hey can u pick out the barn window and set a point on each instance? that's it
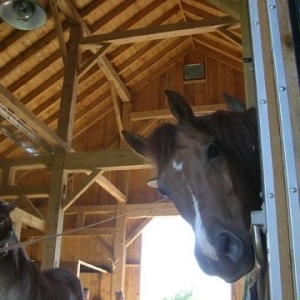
(194, 72)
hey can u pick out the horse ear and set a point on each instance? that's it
(12, 205)
(233, 103)
(180, 109)
(136, 142)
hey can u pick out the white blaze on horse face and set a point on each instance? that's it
(177, 165)
(200, 233)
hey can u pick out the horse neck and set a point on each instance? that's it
(236, 133)
(14, 259)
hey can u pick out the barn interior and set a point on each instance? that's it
(68, 89)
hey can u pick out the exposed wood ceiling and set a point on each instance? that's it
(123, 42)
(123, 45)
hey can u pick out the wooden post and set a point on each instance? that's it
(55, 218)
(250, 88)
(58, 185)
(118, 275)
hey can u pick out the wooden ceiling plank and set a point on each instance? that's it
(81, 188)
(149, 125)
(34, 72)
(233, 59)
(104, 247)
(59, 30)
(135, 233)
(230, 36)
(38, 45)
(158, 32)
(183, 50)
(231, 7)
(196, 12)
(19, 215)
(29, 118)
(31, 51)
(155, 59)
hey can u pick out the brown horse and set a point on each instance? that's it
(209, 167)
(19, 278)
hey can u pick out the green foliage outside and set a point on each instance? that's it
(182, 295)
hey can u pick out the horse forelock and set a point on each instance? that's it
(162, 144)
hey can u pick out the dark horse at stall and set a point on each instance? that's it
(209, 167)
(19, 278)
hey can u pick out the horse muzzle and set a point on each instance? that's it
(235, 256)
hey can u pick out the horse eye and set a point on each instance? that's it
(213, 151)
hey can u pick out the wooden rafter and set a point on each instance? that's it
(230, 36)
(22, 112)
(59, 30)
(134, 234)
(84, 185)
(19, 215)
(68, 8)
(232, 7)
(159, 32)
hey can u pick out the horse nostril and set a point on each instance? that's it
(230, 245)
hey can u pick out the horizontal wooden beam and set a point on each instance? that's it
(165, 113)
(13, 192)
(19, 215)
(120, 159)
(95, 231)
(107, 160)
(158, 32)
(131, 210)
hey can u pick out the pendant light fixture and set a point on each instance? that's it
(23, 15)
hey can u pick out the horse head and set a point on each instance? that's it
(5, 220)
(204, 184)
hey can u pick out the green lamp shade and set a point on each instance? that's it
(24, 15)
